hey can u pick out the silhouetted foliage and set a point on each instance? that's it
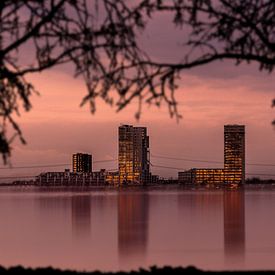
(100, 39)
(166, 270)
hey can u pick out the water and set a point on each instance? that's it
(110, 230)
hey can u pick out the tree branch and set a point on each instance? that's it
(33, 31)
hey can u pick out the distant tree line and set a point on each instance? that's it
(256, 180)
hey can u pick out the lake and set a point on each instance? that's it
(109, 229)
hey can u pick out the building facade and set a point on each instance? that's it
(234, 153)
(133, 154)
(186, 177)
(112, 178)
(203, 176)
(68, 178)
(82, 163)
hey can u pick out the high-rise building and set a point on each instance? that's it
(234, 162)
(82, 163)
(234, 153)
(133, 154)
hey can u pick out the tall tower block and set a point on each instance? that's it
(234, 153)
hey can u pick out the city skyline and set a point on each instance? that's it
(154, 162)
(209, 97)
(134, 164)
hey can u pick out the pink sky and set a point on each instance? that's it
(208, 97)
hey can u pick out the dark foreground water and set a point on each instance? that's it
(126, 229)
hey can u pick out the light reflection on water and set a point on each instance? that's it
(126, 229)
(133, 221)
(234, 227)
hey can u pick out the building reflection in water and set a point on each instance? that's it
(132, 226)
(234, 226)
(81, 216)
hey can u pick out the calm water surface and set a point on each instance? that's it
(115, 230)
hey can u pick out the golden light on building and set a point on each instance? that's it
(234, 153)
(133, 151)
(203, 176)
(112, 178)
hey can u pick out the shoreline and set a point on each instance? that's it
(144, 187)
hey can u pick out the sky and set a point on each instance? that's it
(209, 97)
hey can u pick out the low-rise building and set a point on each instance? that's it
(72, 178)
(202, 176)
